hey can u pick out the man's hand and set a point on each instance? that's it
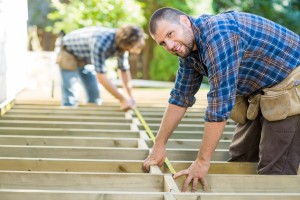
(195, 173)
(127, 104)
(156, 157)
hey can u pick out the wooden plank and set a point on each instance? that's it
(218, 167)
(189, 144)
(103, 107)
(238, 196)
(71, 165)
(82, 181)
(250, 183)
(60, 124)
(73, 152)
(68, 141)
(99, 153)
(11, 116)
(71, 112)
(170, 185)
(187, 127)
(191, 120)
(190, 155)
(79, 195)
(69, 132)
(227, 135)
(6, 106)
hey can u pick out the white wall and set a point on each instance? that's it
(13, 47)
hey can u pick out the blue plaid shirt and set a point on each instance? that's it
(94, 45)
(241, 54)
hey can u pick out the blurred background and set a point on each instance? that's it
(30, 28)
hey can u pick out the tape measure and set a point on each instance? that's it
(152, 137)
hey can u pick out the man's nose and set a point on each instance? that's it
(169, 45)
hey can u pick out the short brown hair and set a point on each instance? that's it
(169, 14)
(129, 36)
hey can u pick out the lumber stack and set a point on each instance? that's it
(96, 152)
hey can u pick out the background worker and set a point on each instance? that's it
(91, 46)
(242, 55)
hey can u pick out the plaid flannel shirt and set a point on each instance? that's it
(241, 54)
(94, 45)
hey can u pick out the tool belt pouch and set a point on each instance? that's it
(239, 111)
(282, 100)
(254, 107)
(66, 60)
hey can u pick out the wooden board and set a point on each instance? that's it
(82, 181)
(68, 141)
(69, 132)
(12, 116)
(98, 153)
(250, 183)
(71, 165)
(62, 124)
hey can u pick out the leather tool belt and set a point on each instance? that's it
(276, 103)
(68, 61)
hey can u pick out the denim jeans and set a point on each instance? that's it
(70, 85)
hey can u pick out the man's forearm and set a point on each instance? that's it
(170, 121)
(211, 137)
(126, 82)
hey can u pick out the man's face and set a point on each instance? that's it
(178, 39)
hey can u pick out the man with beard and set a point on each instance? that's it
(243, 55)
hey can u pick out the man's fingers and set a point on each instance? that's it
(195, 184)
(148, 163)
(180, 173)
(204, 184)
(186, 184)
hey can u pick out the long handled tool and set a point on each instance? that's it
(152, 137)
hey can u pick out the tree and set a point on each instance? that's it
(286, 13)
(81, 13)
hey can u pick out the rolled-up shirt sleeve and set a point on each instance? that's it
(187, 83)
(123, 61)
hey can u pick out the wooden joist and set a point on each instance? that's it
(73, 152)
(111, 195)
(68, 141)
(75, 118)
(250, 183)
(145, 182)
(63, 124)
(187, 127)
(69, 132)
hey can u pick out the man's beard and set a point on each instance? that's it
(188, 46)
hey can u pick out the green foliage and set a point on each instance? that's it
(286, 13)
(163, 65)
(81, 13)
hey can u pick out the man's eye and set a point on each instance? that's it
(162, 44)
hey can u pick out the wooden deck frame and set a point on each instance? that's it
(90, 161)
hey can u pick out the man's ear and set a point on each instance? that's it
(183, 19)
